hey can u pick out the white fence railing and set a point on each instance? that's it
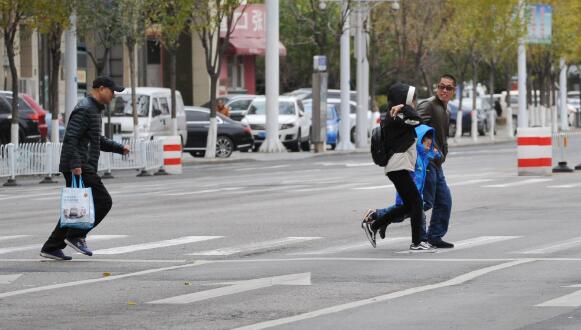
(43, 158)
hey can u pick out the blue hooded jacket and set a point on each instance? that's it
(423, 160)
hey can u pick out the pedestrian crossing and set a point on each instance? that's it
(293, 246)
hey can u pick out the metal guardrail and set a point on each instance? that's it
(43, 158)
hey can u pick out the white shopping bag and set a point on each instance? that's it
(77, 209)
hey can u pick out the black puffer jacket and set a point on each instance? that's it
(399, 132)
(83, 141)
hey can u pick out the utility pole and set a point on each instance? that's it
(362, 77)
(272, 142)
(345, 125)
(563, 95)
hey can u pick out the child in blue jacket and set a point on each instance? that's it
(426, 152)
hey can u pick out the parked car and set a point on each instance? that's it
(42, 125)
(332, 121)
(238, 105)
(294, 124)
(307, 93)
(232, 135)
(483, 108)
(153, 111)
(27, 121)
(372, 119)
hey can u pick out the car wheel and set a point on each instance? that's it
(295, 146)
(452, 129)
(353, 132)
(306, 145)
(224, 147)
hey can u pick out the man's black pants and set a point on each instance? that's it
(103, 204)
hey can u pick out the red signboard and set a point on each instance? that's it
(250, 22)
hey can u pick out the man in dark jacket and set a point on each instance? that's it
(81, 148)
(434, 113)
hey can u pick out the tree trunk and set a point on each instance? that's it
(55, 58)
(473, 113)
(213, 129)
(491, 113)
(460, 113)
(131, 49)
(172, 74)
(9, 43)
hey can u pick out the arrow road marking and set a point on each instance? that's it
(238, 287)
(253, 247)
(570, 300)
(7, 279)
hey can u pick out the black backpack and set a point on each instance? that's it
(378, 151)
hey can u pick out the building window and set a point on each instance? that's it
(236, 72)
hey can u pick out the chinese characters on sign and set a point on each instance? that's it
(250, 23)
(539, 24)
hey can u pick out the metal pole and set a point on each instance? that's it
(11, 182)
(345, 124)
(563, 96)
(360, 134)
(70, 68)
(365, 79)
(523, 120)
(272, 142)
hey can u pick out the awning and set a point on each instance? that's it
(253, 46)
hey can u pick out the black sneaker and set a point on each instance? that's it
(79, 245)
(370, 233)
(422, 247)
(368, 216)
(56, 255)
(440, 244)
(382, 231)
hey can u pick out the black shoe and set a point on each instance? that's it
(440, 244)
(423, 247)
(56, 255)
(370, 233)
(79, 245)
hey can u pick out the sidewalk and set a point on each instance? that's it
(500, 137)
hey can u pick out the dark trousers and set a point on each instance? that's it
(412, 204)
(103, 204)
(437, 195)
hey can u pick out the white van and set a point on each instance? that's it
(153, 111)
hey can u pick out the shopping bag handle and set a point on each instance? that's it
(74, 182)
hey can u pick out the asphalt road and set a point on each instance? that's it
(262, 244)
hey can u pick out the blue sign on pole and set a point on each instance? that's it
(540, 27)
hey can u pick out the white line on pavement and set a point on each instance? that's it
(464, 183)
(566, 185)
(398, 294)
(374, 187)
(154, 245)
(90, 238)
(517, 183)
(260, 168)
(356, 246)
(554, 247)
(325, 188)
(358, 164)
(472, 242)
(253, 247)
(5, 238)
(97, 280)
(202, 191)
(145, 261)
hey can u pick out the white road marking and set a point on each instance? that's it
(253, 247)
(144, 261)
(554, 247)
(358, 164)
(472, 242)
(203, 191)
(356, 246)
(90, 238)
(5, 238)
(155, 245)
(566, 185)
(570, 300)
(24, 197)
(325, 188)
(374, 187)
(237, 287)
(97, 280)
(517, 183)
(260, 168)
(7, 279)
(398, 294)
(468, 182)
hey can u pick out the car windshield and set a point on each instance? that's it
(121, 106)
(259, 108)
(331, 109)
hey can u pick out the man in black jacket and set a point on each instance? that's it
(81, 148)
(434, 113)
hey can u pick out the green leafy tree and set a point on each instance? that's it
(12, 13)
(207, 19)
(171, 18)
(52, 18)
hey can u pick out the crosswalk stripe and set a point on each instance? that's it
(566, 185)
(468, 182)
(554, 247)
(358, 164)
(154, 245)
(260, 168)
(90, 238)
(253, 247)
(374, 187)
(517, 183)
(324, 188)
(5, 238)
(202, 191)
(472, 242)
(354, 246)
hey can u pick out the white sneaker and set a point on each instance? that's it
(368, 216)
(422, 247)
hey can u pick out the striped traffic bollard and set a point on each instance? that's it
(562, 166)
(172, 154)
(534, 150)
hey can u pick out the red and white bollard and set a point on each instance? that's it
(172, 154)
(535, 151)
